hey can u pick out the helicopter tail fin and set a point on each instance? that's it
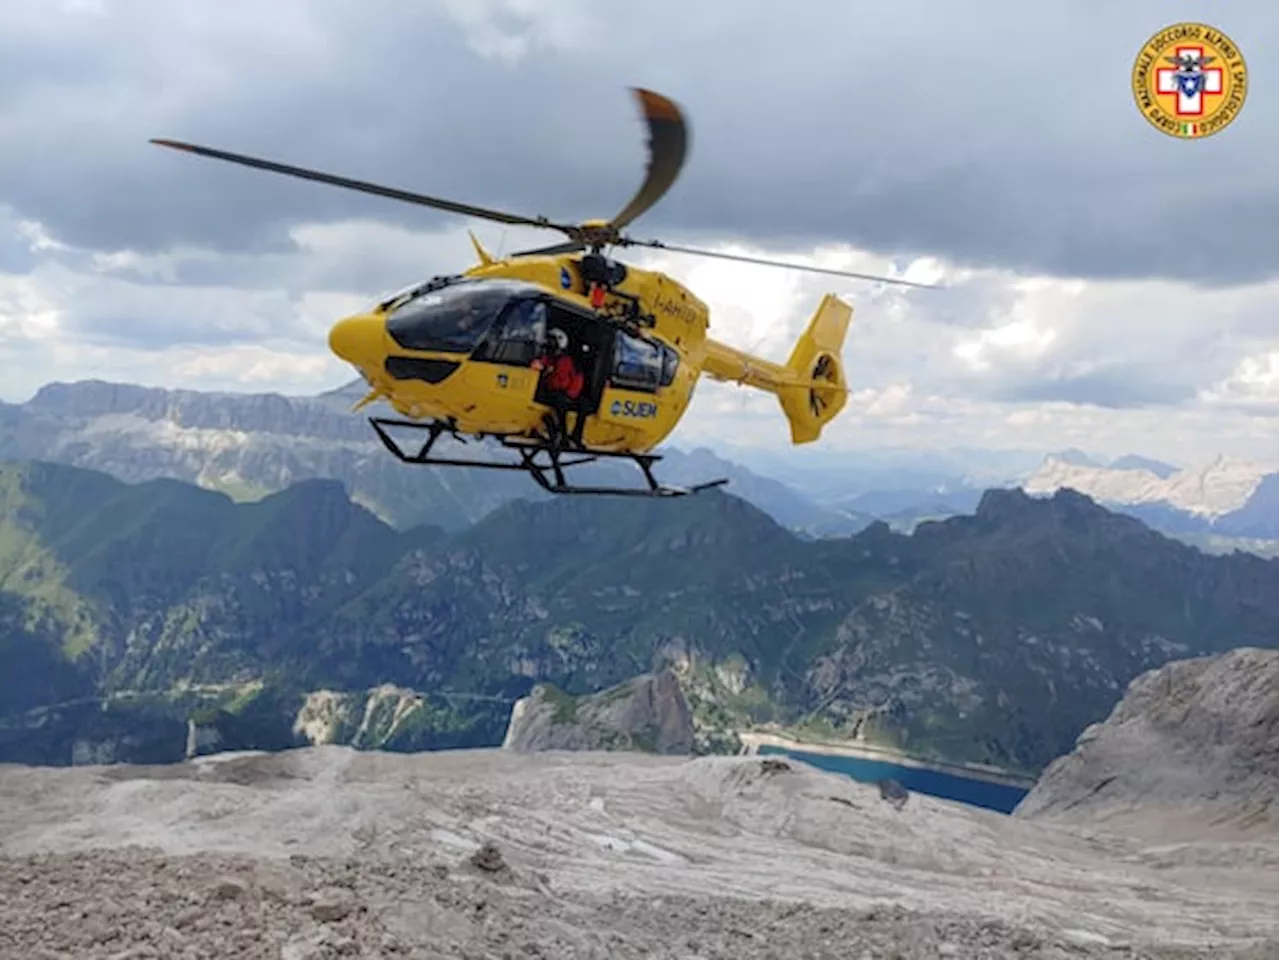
(815, 361)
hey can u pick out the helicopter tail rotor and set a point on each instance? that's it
(821, 392)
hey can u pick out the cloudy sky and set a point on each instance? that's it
(1108, 287)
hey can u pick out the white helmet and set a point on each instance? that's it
(559, 338)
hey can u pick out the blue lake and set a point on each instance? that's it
(978, 793)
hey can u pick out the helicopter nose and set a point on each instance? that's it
(357, 339)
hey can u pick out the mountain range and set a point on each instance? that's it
(248, 445)
(1226, 495)
(152, 612)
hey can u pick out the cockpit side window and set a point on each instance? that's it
(517, 335)
(524, 332)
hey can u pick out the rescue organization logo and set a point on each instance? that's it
(1189, 80)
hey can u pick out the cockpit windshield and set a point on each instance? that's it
(450, 319)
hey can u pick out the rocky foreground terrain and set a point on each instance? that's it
(331, 852)
(1191, 751)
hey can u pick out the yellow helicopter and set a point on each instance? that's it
(467, 355)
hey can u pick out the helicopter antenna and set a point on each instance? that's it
(667, 146)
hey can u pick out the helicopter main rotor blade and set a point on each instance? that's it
(659, 245)
(667, 144)
(569, 246)
(393, 193)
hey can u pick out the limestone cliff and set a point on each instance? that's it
(1191, 749)
(647, 713)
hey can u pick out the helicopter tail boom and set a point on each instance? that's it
(810, 387)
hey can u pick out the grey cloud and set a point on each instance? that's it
(980, 302)
(1093, 368)
(1255, 408)
(355, 262)
(911, 128)
(16, 254)
(161, 329)
(1114, 386)
(107, 311)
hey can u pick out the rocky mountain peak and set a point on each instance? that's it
(1003, 504)
(648, 712)
(1017, 512)
(647, 525)
(1193, 744)
(1000, 505)
(1133, 461)
(1074, 456)
(1257, 518)
(258, 413)
(314, 502)
(311, 493)
(88, 398)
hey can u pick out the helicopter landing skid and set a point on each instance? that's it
(549, 475)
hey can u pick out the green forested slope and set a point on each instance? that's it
(994, 637)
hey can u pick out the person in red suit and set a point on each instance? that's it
(563, 382)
